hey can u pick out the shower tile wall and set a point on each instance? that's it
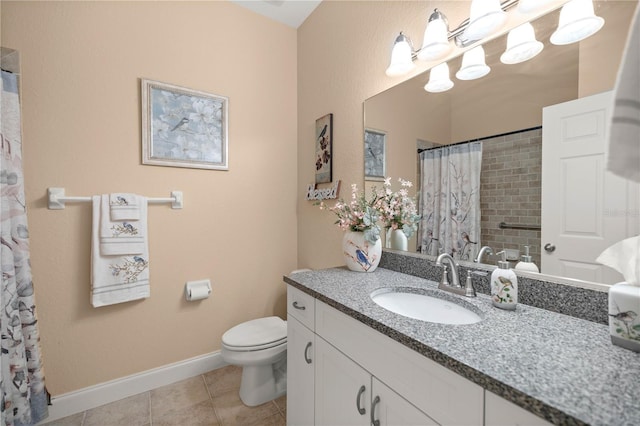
(510, 191)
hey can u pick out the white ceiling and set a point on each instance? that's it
(289, 12)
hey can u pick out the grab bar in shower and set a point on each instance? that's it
(504, 225)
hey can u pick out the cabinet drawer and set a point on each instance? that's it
(301, 306)
(429, 386)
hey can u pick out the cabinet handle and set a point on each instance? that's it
(306, 350)
(361, 410)
(295, 305)
(374, 421)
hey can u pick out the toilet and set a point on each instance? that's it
(259, 346)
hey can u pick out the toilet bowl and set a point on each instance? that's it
(260, 347)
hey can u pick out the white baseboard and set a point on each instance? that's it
(114, 390)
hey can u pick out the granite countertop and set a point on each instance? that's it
(561, 368)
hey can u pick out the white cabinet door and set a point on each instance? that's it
(499, 411)
(343, 388)
(300, 373)
(390, 409)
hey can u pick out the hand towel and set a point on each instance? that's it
(122, 237)
(624, 257)
(624, 133)
(117, 279)
(124, 206)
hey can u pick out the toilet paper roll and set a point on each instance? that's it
(197, 291)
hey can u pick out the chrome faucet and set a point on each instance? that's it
(455, 280)
(483, 250)
(454, 286)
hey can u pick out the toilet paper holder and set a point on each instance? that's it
(197, 290)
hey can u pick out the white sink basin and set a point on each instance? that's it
(424, 307)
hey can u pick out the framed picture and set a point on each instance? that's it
(324, 148)
(374, 154)
(183, 127)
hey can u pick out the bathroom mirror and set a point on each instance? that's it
(508, 101)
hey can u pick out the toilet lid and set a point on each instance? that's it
(258, 332)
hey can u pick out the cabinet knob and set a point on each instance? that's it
(295, 305)
(361, 410)
(374, 421)
(306, 353)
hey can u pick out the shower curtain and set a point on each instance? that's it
(24, 397)
(450, 201)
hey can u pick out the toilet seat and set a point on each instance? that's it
(255, 335)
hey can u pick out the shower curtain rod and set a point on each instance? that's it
(482, 139)
(57, 199)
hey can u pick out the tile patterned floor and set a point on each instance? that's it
(207, 400)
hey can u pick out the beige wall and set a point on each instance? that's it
(343, 50)
(81, 64)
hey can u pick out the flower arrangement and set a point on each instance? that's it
(397, 210)
(359, 214)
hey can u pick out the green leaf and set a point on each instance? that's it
(619, 330)
(636, 327)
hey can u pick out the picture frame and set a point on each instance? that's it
(374, 154)
(184, 127)
(324, 149)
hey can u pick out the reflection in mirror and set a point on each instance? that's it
(501, 112)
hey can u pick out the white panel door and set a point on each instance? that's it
(585, 208)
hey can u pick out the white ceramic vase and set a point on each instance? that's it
(398, 240)
(361, 255)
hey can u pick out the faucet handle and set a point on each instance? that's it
(445, 275)
(469, 289)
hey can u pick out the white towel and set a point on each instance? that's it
(124, 206)
(117, 279)
(624, 134)
(122, 237)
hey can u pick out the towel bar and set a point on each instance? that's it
(57, 199)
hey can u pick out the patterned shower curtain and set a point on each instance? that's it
(24, 397)
(450, 201)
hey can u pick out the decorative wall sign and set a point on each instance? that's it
(374, 154)
(183, 127)
(330, 193)
(324, 148)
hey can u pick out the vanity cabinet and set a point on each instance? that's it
(341, 370)
(499, 411)
(347, 394)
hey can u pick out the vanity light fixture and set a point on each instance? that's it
(528, 6)
(577, 22)
(435, 43)
(521, 45)
(437, 37)
(485, 18)
(473, 65)
(439, 80)
(401, 57)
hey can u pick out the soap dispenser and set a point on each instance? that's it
(504, 285)
(526, 264)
